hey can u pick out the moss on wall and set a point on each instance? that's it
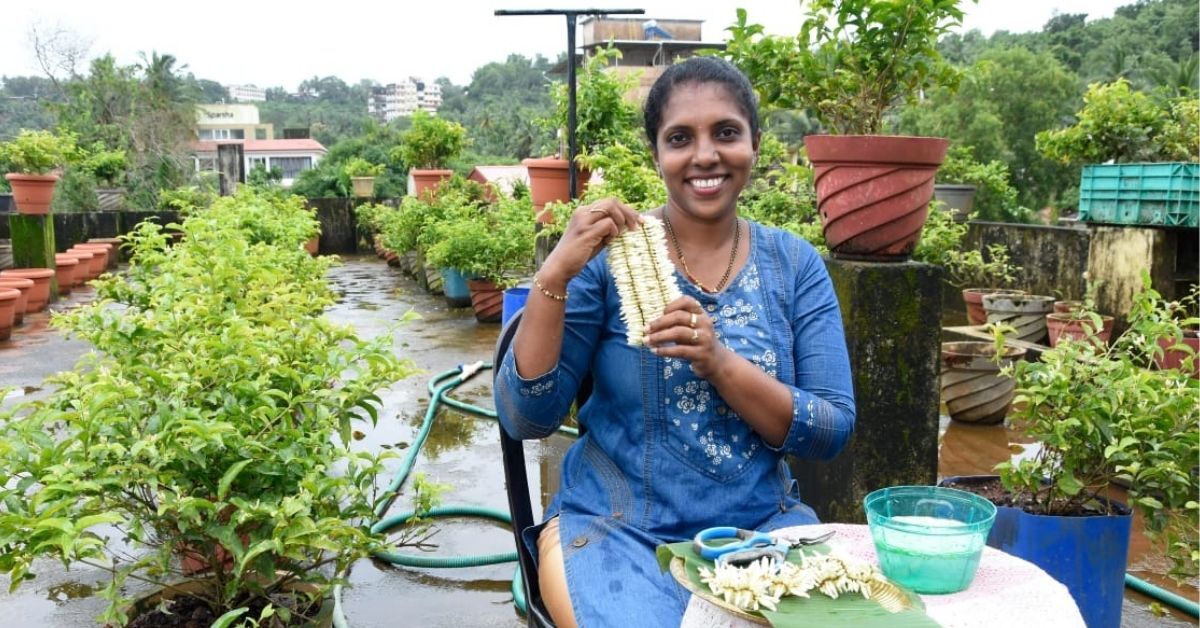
(891, 314)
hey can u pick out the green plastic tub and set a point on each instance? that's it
(1149, 194)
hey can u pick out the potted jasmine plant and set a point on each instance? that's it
(603, 118)
(1101, 415)
(851, 62)
(427, 148)
(362, 175)
(31, 158)
(492, 245)
(108, 167)
(209, 433)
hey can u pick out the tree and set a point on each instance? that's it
(1010, 95)
(500, 106)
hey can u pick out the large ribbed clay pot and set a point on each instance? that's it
(39, 294)
(1061, 325)
(973, 298)
(64, 272)
(427, 180)
(487, 299)
(972, 387)
(8, 304)
(25, 286)
(1025, 312)
(873, 191)
(549, 183)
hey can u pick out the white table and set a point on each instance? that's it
(1007, 591)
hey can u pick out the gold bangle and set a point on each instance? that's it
(556, 297)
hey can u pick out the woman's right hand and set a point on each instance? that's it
(590, 229)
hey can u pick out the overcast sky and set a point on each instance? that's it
(282, 43)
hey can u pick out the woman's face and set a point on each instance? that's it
(704, 149)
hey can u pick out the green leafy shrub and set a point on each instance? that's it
(1118, 123)
(187, 198)
(214, 417)
(495, 242)
(1102, 414)
(851, 61)
(107, 166)
(603, 117)
(995, 197)
(412, 225)
(38, 152)
(359, 167)
(431, 142)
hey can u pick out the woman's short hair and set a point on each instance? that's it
(699, 70)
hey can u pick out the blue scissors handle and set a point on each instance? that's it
(738, 538)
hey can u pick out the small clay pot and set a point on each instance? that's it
(1061, 325)
(973, 297)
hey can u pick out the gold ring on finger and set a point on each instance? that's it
(695, 336)
(693, 323)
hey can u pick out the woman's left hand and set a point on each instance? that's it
(686, 331)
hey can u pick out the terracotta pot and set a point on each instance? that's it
(1173, 358)
(115, 255)
(427, 180)
(99, 262)
(873, 191)
(64, 273)
(25, 286)
(1070, 325)
(487, 299)
(973, 297)
(32, 192)
(39, 294)
(363, 187)
(1025, 312)
(972, 387)
(549, 183)
(89, 269)
(8, 305)
(313, 245)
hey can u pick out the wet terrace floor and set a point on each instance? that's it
(461, 451)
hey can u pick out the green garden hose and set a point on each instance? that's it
(438, 387)
(1162, 595)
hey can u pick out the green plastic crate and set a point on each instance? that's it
(1158, 194)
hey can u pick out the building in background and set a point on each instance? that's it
(231, 122)
(404, 98)
(647, 47)
(246, 93)
(291, 156)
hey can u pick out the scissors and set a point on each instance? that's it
(742, 547)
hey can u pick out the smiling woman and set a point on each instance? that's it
(687, 431)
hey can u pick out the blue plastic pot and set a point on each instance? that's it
(514, 300)
(1087, 554)
(454, 287)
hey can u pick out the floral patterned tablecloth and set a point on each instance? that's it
(1007, 591)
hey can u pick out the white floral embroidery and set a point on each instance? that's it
(702, 427)
(538, 389)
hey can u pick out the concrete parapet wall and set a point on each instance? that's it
(1052, 259)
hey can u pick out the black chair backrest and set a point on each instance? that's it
(516, 480)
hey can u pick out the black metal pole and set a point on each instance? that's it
(572, 148)
(571, 14)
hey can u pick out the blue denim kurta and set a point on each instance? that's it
(664, 456)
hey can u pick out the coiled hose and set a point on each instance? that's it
(438, 387)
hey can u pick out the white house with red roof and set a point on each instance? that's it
(290, 156)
